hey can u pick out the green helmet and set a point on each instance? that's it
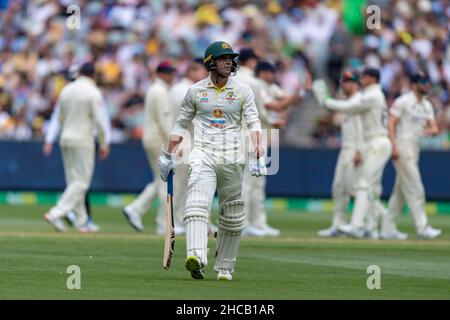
(217, 49)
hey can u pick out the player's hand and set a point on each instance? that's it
(257, 166)
(357, 159)
(47, 149)
(166, 163)
(395, 154)
(103, 152)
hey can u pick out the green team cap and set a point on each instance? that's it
(217, 49)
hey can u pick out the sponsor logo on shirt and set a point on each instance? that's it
(218, 122)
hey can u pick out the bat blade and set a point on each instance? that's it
(169, 240)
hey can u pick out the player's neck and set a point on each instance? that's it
(218, 80)
(418, 95)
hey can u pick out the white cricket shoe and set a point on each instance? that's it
(271, 232)
(56, 223)
(351, 232)
(395, 235)
(224, 275)
(195, 267)
(134, 219)
(89, 227)
(251, 231)
(329, 233)
(179, 230)
(373, 235)
(429, 233)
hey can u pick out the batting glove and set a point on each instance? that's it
(166, 163)
(257, 167)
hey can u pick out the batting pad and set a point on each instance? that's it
(196, 215)
(231, 224)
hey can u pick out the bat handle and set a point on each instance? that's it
(170, 183)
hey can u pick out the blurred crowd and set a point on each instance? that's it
(128, 38)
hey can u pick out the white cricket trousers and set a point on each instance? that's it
(78, 169)
(408, 189)
(206, 175)
(254, 195)
(368, 188)
(154, 189)
(344, 181)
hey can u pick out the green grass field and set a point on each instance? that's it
(119, 263)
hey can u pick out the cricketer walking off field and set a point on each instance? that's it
(81, 113)
(411, 117)
(218, 105)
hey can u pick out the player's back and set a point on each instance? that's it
(156, 114)
(76, 102)
(374, 120)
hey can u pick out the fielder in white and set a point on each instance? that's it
(350, 157)
(53, 131)
(275, 103)
(157, 126)
(253, 190)
(81, 114)
(411, 116)
(195, 72)
(218, 105)
(377, 149)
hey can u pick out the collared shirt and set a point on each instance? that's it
(371, 105)
(157, 114)
(413, 116)
(218, 116)
(81, 113)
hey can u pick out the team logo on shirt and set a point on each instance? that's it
(218, 122)
(231, 97)
(217, 113)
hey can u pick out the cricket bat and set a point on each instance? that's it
(169, 241)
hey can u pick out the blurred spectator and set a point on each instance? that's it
(128, 39)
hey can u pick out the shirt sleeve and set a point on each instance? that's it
(250, 111)
(355, 105)
(187, 113)
(102, 121)
(430, 111)
(54, 126)
(397, 108)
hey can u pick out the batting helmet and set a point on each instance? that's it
(215, 50)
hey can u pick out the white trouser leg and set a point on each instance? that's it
(78, 169)
(231, 216)
(375, 157)
(254, 194)
(201, 188)
(341, 186)
(411, 185)
(144, 200)
(395, 207)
